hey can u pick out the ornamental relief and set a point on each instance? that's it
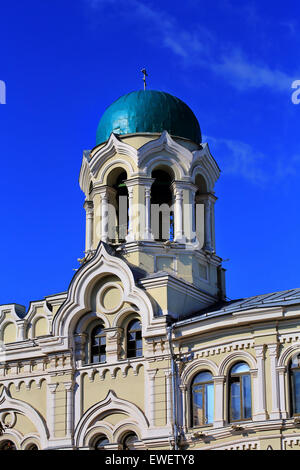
(110, 298)
(8, 419)
(292, 443)
(125, 369)
(218, 350)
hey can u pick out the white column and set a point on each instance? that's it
(212, 215)
(89, 208)
(113, 340)
(104, 217)
(184, 399)
(273, 353)
(21, 329)
(193, 235)
(178, 215)
(282, 399)
(148, 235)
(219, 402)
(151, 375)
(130, 236)
(78, 392)
(168, 397)
(207, 225)
(69, 408)
(260, 391)
(51, 408)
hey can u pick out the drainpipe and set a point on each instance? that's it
(174, 375)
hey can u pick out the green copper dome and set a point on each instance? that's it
(148, 111)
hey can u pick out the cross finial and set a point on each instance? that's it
(144, 77)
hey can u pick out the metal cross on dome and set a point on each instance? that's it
(144, 77)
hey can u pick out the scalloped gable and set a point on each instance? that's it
(205, 162)
(115, 145)
(79, 293)
(12, 404)
(111, 403)
(166, 143)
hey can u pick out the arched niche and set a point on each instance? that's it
(162, 199)
(118, 209)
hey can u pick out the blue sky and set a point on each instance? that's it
(232, 61)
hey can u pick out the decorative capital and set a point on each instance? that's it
(113, 333)
(152, 373)
(260, 351)
(89, 207)
(219, 379)
(273, 349)
(52, 387)
(68, 386)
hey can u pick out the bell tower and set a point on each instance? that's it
(149, 188)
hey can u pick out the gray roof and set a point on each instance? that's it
(275, 299)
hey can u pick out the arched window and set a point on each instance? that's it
(98, 345)
(202, 399)
(32, 447)
(134, 339)
(129, 440)
(202, 215)
(100, 443)
(240, 407)
(294, 376)
(162, 215)
(118, 221)
(7, 445)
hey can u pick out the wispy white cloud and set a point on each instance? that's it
(199, 48)
(240, 159)
(244, 74)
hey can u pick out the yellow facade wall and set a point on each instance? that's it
(97, 390)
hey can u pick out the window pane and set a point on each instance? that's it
(94, 350)
(95, 358)
(103, 441)
(202, 377)
(198, 412)
(296, 376)
(235, 401)
(209, 403)
(95, 340)
(239, 368)
(135, 325)
(246, 396)
(296, 361)
(129, 441)
(97, 330)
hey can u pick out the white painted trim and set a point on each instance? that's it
(110, 404)
(11, 404)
